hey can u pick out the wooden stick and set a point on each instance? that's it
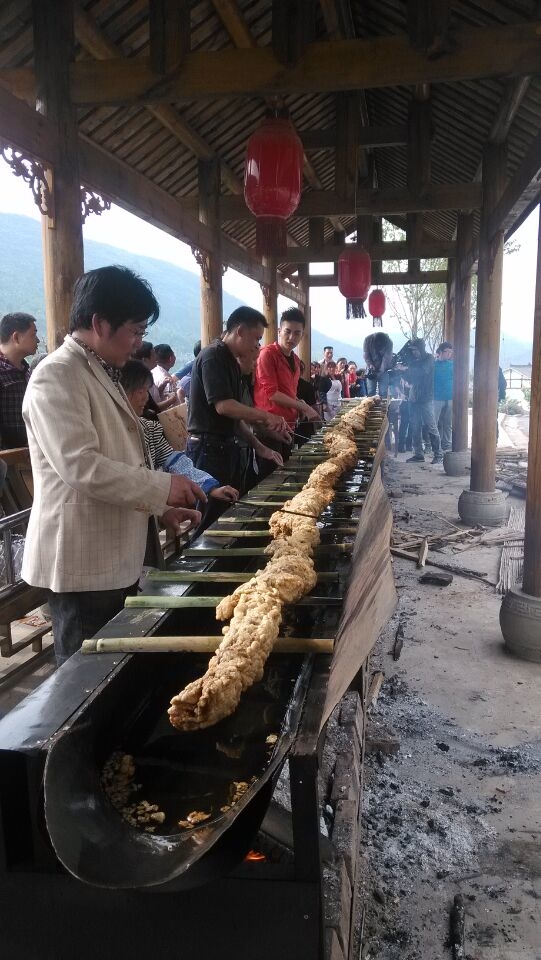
(168, 602)
(460, 571)
(423, 553)
(196, 645)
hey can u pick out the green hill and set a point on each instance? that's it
(177, 290)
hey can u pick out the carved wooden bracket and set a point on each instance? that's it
(203, 259)
(33, 173)
(266, 291)
(92, 202)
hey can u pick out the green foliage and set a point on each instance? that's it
(527, 391)
(511, 407)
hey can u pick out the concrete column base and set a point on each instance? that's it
(488, 509)
(457, 463)
(520, 620)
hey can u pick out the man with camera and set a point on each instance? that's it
(418, 367)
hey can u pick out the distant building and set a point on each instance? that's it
(518, 378)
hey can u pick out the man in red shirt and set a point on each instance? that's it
(277, 376)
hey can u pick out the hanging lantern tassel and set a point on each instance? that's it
(273, 182)
(270, 237)
(354, 278)
(376, 305)
(355, 309)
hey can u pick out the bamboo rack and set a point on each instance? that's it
(197, 645)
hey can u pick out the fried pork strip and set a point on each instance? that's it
(254, 609)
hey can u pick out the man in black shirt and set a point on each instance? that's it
(216, 410)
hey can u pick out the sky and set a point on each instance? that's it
(122, 229)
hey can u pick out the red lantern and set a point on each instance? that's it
(354, 278)
(273, 181)
(376, 306)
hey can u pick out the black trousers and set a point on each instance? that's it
(78, 616)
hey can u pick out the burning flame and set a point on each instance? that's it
(255, 856)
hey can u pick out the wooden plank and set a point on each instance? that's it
(388, 201)
(371, 595)
(347, 146)
(489, 51)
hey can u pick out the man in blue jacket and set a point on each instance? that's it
(443, 393)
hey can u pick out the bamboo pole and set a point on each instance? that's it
(531, 582)
(197, 645)
(190, 602)
(211, 576)
(225, 552)
(239, 533)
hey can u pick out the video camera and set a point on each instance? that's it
(404, 356)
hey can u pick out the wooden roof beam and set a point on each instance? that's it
(389, 135)
(386, 279)
(511, 50)
(423, 249)
(386, 202)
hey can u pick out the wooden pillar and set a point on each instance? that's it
(532, 539)
(211, 263)
(270, 303)
(450, 302)
(62, 232)
(487, 334)
(305, 346)
(461, 341)
(419, 167)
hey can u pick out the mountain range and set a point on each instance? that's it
(177, 290)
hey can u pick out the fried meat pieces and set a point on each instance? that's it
(255, 608)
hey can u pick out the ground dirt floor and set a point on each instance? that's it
(452, 800)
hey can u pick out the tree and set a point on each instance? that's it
(418, 308)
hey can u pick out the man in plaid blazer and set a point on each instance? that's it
(94, 488)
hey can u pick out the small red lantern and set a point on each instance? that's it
(354, 278)
(273, 181)
(376, 306)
